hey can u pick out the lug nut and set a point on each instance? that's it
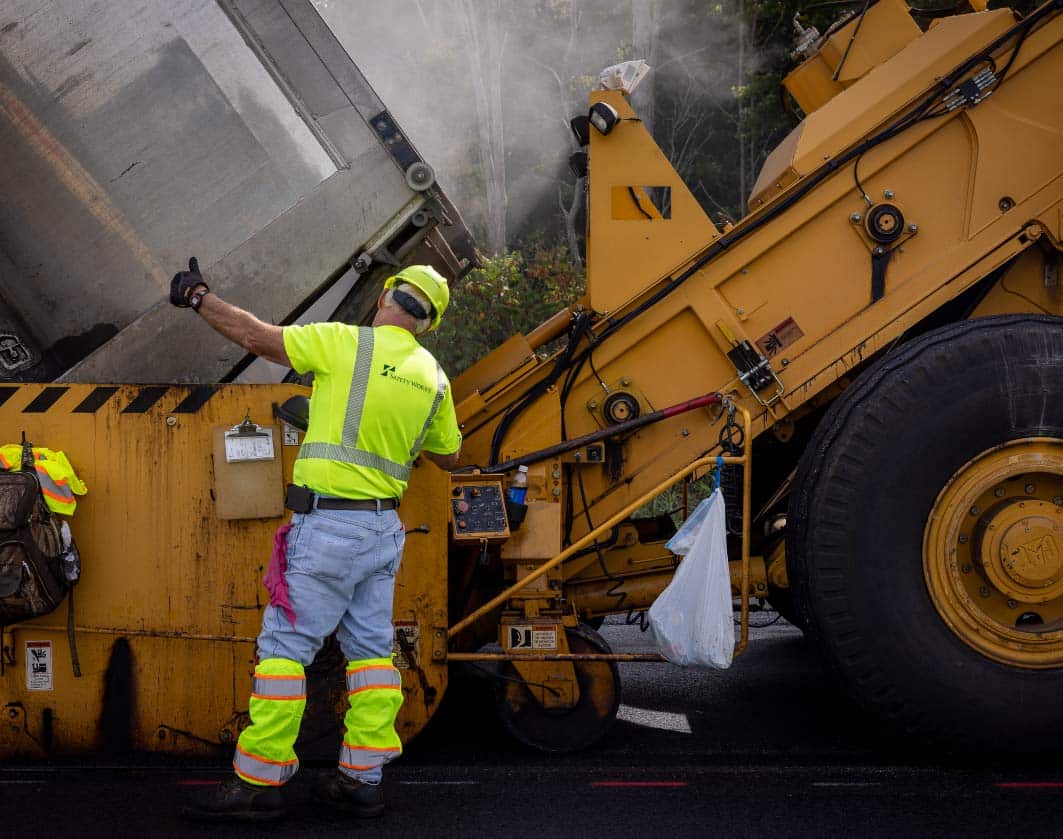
(975, 511)
(983, 591)
(966, 569)
(964, 539)
(999, 492)
(1011, 603)
(1030, 489)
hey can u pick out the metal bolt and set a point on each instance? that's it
(983, 591)
(1029, 489)
(999, 492)
(740, 311)
(966, 569)
(879, 251)
(171, 421)
(760, 586)
(913, 228)
(625, 382)
(12, 713)
(964, 539)
(593, 404)
(856, 218)
(556, 473)
(887, 193)
(786, 362)
(975, 511)
(685, 432)
(1011, 603)
(557, 492)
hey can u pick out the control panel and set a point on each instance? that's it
(477, 509)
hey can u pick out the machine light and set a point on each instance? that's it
(578, 164)
(581, 129)
(604, 117)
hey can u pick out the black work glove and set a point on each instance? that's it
(184, 282)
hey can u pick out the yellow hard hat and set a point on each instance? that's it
(429, 281)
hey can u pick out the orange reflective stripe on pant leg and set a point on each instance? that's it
(265, 752)
(375, 695)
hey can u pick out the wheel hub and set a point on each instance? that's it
(993, 553)
(1021, 551)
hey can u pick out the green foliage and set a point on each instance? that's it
(513, 292)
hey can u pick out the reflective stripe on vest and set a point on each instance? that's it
(279, 687)
(58, 491)
(348, 451)
(361, 758)
(270, 772)
(373, 677)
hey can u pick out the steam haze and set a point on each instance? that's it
(485, 89)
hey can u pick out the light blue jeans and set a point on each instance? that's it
(341, 577)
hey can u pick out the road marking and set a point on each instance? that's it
(846, 783)
(649, 784)
(441, 783)
(654, 719)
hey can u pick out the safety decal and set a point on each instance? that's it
(533, 637)
(291, 435)
(407, 638)
(781, 336)
(39, 665)
(191, 398)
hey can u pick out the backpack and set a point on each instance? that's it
(33, 551)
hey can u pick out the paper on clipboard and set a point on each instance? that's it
(248, 441)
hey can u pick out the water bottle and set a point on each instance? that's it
(71, 557)
(518, 487)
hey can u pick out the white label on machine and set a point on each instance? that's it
(291, 435)
(39, 665)
(242, 446)
(407, 637)
(533, 637)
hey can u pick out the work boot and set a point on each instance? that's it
(237, 800)
(351, 795)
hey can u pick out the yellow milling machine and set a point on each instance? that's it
(875, 349)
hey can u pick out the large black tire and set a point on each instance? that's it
(865, 487)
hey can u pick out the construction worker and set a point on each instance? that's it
(379, 399)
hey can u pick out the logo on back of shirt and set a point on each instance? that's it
(389, 373)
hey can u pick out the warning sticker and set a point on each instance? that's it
(291, 435)
(406, 640)
(533, 637)
(39, 665)
(781, 336)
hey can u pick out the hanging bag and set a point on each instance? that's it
(692, 619)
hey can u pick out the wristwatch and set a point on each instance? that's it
(195, 299)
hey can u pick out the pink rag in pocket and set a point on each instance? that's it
(274, 581)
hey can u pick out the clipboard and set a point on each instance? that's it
(248, 471)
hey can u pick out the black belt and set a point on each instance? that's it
(377, 504)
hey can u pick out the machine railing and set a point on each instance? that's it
(707, 462)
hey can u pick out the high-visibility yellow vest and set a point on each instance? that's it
(379, 398)
(59, 482)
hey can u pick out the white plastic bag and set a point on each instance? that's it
(692, 619)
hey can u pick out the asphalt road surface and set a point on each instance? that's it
(766, 749)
